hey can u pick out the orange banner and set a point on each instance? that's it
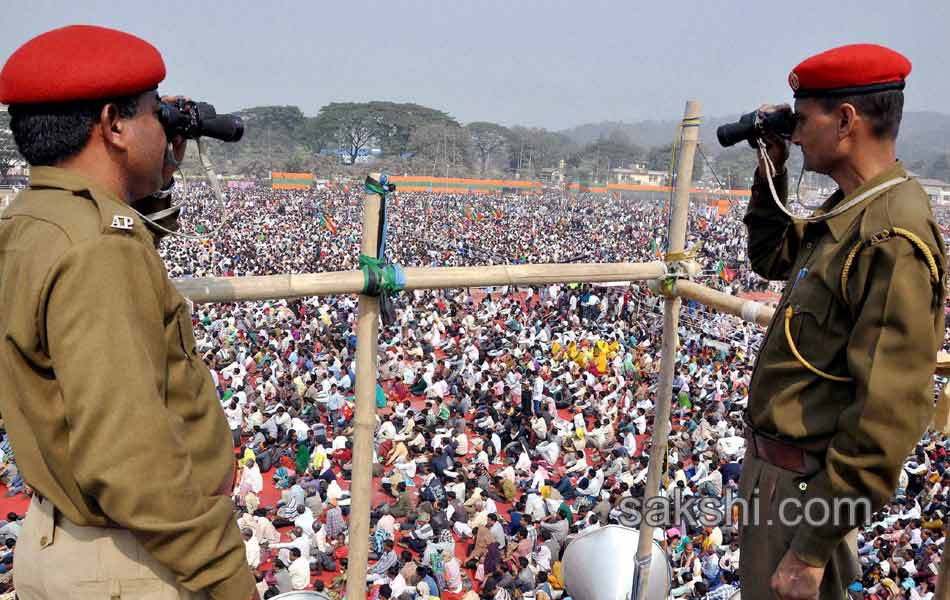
(290, 181)
(413, 183)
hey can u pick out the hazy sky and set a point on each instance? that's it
(550, 64)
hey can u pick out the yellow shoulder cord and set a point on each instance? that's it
(877, 238)
(791, 344)
(883, 236)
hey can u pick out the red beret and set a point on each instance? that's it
(80, 62)
(849, 70)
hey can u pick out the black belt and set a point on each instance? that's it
(781, 454)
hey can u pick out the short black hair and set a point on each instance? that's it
(883, 109)
(48, 134)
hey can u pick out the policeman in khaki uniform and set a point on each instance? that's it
(842, 388)
(112, 415)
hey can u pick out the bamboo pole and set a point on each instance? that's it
(239, 289)
(236, 289)
(364, 419)
(943, 576)
(749, 310)
(269, 287)
(671, 308)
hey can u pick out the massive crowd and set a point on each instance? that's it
(509, 420)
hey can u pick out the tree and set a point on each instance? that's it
(438, 146)
(297, 163)
(406, 119)
(537, 148)
(939, 167)
(272, 136)
(735, 166)
(488, 139)
(350, 127)
(658, 159)
(612, 151)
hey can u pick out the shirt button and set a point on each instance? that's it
(43, 541)
(803, 486)
(809, 245)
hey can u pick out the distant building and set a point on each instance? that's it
(553, 176)
(938, 191)
(638, 174)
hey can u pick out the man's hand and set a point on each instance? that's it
(173, 157)
(177, 153)
(796, 580)
(776, 146)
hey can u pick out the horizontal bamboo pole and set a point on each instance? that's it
(269, 287)
(749, 310)
(239, 289)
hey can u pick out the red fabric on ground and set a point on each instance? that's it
(18, 503)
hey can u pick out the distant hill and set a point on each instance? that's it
(414, 138)
(923, 145)
(925, 138)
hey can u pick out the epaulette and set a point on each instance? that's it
(872, 233)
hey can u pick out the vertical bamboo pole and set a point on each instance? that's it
(364, 419)
(671, 309)
(943, 577)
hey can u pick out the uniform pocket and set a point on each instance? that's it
(816, 337)
(810, 317)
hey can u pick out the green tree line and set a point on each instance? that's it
(419, 140)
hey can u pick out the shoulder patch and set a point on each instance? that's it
(122, 222)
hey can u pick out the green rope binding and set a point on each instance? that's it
(380, 277)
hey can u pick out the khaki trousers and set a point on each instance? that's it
(57, 560)
(765, 540)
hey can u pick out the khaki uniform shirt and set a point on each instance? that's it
(111, 413)
(885, 336)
